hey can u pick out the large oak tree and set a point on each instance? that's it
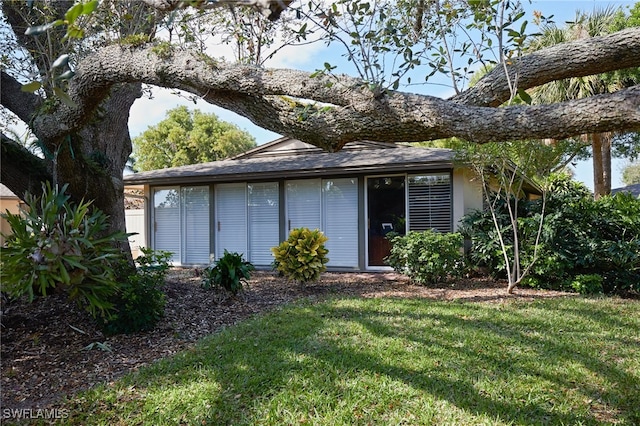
(82, 124)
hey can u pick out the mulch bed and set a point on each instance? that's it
(51, 349)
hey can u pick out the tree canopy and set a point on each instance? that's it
(72, 71)
(188, 137)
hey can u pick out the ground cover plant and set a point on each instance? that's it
(565, 360)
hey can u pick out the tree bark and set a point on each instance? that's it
(598, 183)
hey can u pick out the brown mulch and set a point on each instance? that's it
(51, 349)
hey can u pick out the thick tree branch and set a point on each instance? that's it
(269, 98)
(269, 8)
(22, 104)
(580, 58)
(20, 170)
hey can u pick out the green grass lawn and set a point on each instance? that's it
(570, 361)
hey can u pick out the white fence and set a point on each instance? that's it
(135, 223)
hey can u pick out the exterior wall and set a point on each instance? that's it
(11, 204)
(465, 196)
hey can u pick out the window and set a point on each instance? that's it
(181, 223)
(430, 202)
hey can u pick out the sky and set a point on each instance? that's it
(148, 112)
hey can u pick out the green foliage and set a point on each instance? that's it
(303, 256)
(56, 246)
(579, 236)
(140, 301)
(427, 257)
(587, 284)
(631, 174)
(188, 137)
(230, 272)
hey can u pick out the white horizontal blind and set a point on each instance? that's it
(340, 221)
(264, 221)
(196, 240)
(430, 202)
(303, 204)
(231, 219)
(166, 218)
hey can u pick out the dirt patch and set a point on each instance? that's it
(51, 349)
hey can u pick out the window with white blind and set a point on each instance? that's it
(166, 221)
(303, 204)
(430, 202)
(330, 205)
(181, 223)
(340, 220)
(264, 221)
(231, 219)
(195, 225)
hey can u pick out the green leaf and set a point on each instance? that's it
(31, 87)
(524, 96)
(41, 29)
(73, 13)
(67, 75)
(61, 61)
(89, 7)
(64, 97)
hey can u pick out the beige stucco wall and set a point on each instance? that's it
(7, 203)
(467, 194)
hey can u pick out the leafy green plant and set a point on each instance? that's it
(55, 246)
(580, 236)
(303, 256)
(230, 272)
(587, 284)
(140, 301)
(427, 257)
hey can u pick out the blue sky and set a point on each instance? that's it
(147, 112)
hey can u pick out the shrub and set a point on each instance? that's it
(580, 237)
(230, 273)
(427, 257)
(59, 246)
(302, 257)
(140, 301)
(587, 284)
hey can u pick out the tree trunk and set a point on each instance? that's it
(606, 162)
(92, 160)
(598, 173)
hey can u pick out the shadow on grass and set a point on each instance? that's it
(295, 361)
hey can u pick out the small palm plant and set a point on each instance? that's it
(230, 273)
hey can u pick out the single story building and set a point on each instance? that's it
(249, 203)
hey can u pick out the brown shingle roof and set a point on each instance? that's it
(276, 161)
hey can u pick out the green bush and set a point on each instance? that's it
(140, 301)
(587, 284)
(427, 257)
(230, 273)
(303, 256)
(580, 236)
(56, 245)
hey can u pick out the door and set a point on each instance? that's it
(166, 221)
(264, 221)
(340, 220)
(231, 219)
(386, 212)
(195, 226)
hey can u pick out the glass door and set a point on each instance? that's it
(386, 212)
